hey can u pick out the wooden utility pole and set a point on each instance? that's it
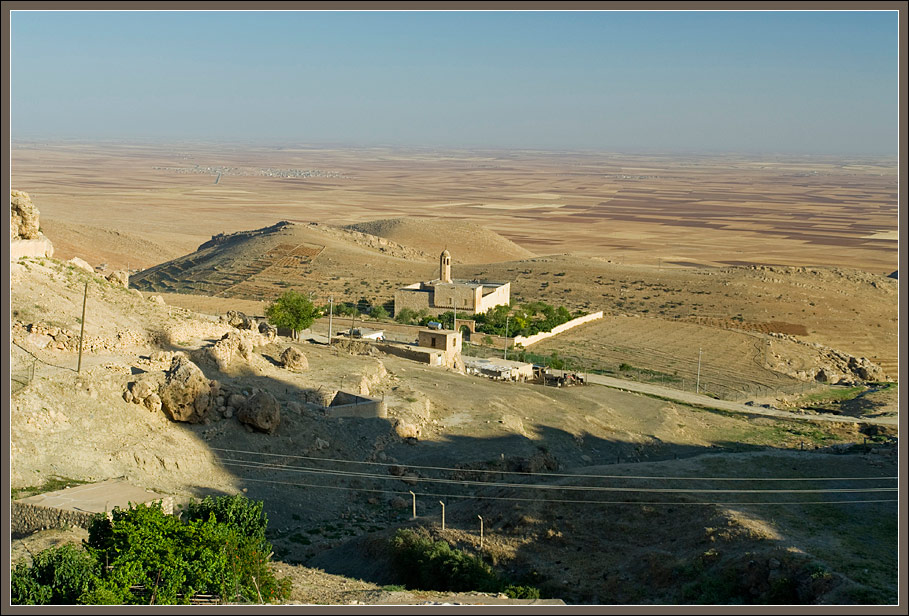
(413, 498)
(443, 514)
(481, 530)
(330, 310)
(697, 387)
(82, 329)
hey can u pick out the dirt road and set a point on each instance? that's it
(724, 405)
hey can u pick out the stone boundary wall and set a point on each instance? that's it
(26, 518)
(352, 405)
(527, 341)
(427, 356)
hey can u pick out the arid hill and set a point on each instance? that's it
(82, 426)
(473, 243)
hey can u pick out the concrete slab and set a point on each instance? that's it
(98, 497)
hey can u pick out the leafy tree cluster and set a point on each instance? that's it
(523, 320)
(292, 310)
(361, 307)
(434, 565)
(141, 555)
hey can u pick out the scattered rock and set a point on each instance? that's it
(407, 430)
(157, 299)
(293, 359)
(262, 412)
(236, 400)
(237, 319)
(119, 278)
(152, 402)
(142, 389)
(269, 331)
(81, 264)
(322, 444)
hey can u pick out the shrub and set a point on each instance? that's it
(434, 565)
(247, 516)
(58, 576)
(219, 548)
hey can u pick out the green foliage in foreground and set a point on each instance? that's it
(219, 548)
(423, 563)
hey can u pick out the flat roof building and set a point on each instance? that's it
(445, 294)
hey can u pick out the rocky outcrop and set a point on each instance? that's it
(26, 239)
(234, 346)
(294, 360)
(187, 395)
(23, 217)
(262, 412)
(269, 331)
(237, 319)
(119, 278)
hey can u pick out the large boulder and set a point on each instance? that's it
(23, 217)
(186, 395)
(294, 360)
(262, 412)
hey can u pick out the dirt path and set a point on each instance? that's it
(690, 398)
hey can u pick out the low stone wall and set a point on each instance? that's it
(427, 356)
(26, 518)
(351, 405)
(528, 340)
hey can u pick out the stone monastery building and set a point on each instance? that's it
(444, 294)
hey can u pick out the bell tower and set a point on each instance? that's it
(445, 266)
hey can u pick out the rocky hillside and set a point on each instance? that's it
(468, 242)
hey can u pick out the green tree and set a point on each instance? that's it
(292, 310)
(378, 312)
(405, 316)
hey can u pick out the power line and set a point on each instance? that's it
(491, 484)
(570, 501)
(581, 475)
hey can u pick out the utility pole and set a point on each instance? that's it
(443, 514)
(507, 316)
(82, 330)
(413, 498)
(331, 300)
(697, 388)
(481, 530)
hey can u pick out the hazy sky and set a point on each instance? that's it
(803, 82)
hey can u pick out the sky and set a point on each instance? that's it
(804, 82)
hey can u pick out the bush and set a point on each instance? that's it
(219, 548)
(433, 565)
(405, 316)
(58, 576)
(246, 516)
(522, 592)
